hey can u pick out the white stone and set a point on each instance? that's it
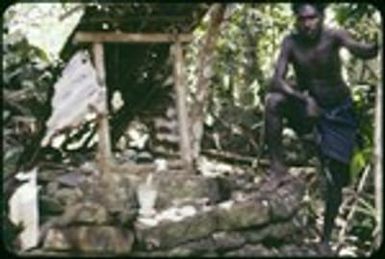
(147, 194)
(147, 221)
(161, 164)
(226, 204)
(24, 210)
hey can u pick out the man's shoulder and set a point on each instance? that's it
(289, 39)
(290, 36)
(334, 32)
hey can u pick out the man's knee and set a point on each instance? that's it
(274, 100)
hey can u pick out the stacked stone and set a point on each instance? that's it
(195, 215)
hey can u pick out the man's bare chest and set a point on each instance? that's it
(318, 57)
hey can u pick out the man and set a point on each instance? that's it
(319, 100)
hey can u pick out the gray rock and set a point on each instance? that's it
(224, 241)
(47, 175)
(180, 188)
(52, 188)
(216, 243)
(286, 200)
(130, 154)
(89, 240)
(295, 250)
(82, 213)
(168, 234)
(275, 231)
(250, 251)
(88, 213)
(196, 247)
(115, 193)
(244, 214)
(71, 179)
(68, 196)
(56, 240)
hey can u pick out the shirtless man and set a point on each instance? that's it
(319, 101)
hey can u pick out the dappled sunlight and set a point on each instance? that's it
(43, 25)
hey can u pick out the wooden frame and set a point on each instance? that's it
(97, 39)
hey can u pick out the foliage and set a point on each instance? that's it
(28, 75)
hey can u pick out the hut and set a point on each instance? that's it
(138, 50)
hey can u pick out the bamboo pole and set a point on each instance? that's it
(184, 142)
(104, 146)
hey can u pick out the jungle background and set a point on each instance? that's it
(245, 53)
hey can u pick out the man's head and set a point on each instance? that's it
(309, 19)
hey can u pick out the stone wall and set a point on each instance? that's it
(195, 215)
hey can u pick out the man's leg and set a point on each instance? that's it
(273, 130)
(337, 177)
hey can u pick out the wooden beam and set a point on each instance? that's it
(151, 18)
(104, 146)
(129, 37)
(181, 97)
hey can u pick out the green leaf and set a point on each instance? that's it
(357, 164)
(367, 206)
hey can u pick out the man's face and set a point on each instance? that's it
(309, 22)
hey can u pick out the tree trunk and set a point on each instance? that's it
(204, 62)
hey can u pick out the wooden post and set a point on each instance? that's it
(185, 146)
(104, 146)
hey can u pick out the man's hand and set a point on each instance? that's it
(312, 108)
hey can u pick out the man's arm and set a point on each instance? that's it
(279, 82)
(361, 50)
